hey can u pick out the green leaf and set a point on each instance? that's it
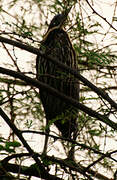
(12, 144)
(95, 132)
(1, 147)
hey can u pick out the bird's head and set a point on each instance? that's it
(57, 21)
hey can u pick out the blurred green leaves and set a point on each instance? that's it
(8, 146)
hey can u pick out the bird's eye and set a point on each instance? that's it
(54, 23)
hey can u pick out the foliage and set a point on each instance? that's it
(94, 41)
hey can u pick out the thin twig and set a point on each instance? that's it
(62, 66)
(94, 11)
(56, 93)
(42, 171)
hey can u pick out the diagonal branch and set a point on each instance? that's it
(63, 163)
(41, 169)
(94, 11)
(83, 146)
(74, 72)
(56, 93)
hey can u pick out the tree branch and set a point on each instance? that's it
(56, 93)
(83, 146)
(62, 66)
(32, 171)
(41, 169)
(20, 45)
(94, 11)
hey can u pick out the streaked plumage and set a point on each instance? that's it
(57, 44)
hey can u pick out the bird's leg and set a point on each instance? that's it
(46, 143)
(47, 130)
(71, 153)
(72, 150)
(44, 153)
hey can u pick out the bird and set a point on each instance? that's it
(57, 44)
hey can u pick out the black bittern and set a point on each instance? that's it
(56, 43)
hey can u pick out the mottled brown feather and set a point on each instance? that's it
(64, 115)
